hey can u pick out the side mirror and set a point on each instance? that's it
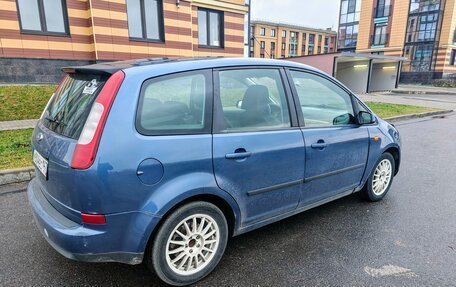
(365, 118)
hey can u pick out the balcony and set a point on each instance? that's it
(382, 11)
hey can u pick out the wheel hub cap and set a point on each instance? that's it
(382, 177)
(192, 244)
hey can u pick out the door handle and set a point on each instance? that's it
(319, 145)
(238, 154)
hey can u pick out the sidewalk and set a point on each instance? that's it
(17, 125)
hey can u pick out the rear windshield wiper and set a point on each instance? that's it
(54, 120)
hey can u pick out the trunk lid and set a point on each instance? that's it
(56, 135)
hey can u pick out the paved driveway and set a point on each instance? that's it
(409, 239)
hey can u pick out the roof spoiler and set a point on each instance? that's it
(92, 69)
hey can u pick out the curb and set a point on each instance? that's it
(410, 92)
(417, 116)
(16, 175)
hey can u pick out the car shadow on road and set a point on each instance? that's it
(273, 242)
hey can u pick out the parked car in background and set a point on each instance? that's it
(162, 160)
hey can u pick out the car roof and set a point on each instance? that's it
(180, 64)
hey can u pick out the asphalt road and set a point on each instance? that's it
(408, 239)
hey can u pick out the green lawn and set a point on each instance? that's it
(23, 102)
(391, 110)
(15, 148)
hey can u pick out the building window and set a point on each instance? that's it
(304, 36)
(43, 16)
(272, 46)
(293, 51)
(319, 39)
(272, 56)
(284, 46)
(210, 28)
(303, 49)
(262, 31)
(145, 20)
(311, 50)
(273, 32)
(383, 8)
(380, 34)
(452, 58)
(326, 41)
(319, 49)
(311, 38)
(284, 33)
(349, 23)
(261, 55)
(262, 44)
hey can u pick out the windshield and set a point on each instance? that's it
(70, 105)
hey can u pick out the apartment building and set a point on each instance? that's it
(423, 31)
(348, 25)
(277, 40)
(37, 37)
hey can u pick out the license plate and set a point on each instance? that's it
(40, 162)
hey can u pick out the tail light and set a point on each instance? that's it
(86, 148)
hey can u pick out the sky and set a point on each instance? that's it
(311, 13)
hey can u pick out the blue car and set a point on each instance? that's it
(161, 161)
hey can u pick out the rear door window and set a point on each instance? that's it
(70, 105)
(176, 104)
(253, 99)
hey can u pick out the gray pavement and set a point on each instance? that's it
(17, 125)
(408, 239)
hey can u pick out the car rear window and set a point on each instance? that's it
(70, 105)
(175, 104)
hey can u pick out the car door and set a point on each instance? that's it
(336, 146)
(258, 148)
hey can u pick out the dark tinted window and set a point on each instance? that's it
(174, 104)
(70, 105)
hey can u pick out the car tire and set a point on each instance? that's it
(179, 236)
(380, 180)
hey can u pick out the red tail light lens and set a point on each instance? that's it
(86, 148)
(93, 218)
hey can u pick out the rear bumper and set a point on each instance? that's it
(123, 239)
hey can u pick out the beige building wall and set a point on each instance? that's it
(257, 52)
(446, 44)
